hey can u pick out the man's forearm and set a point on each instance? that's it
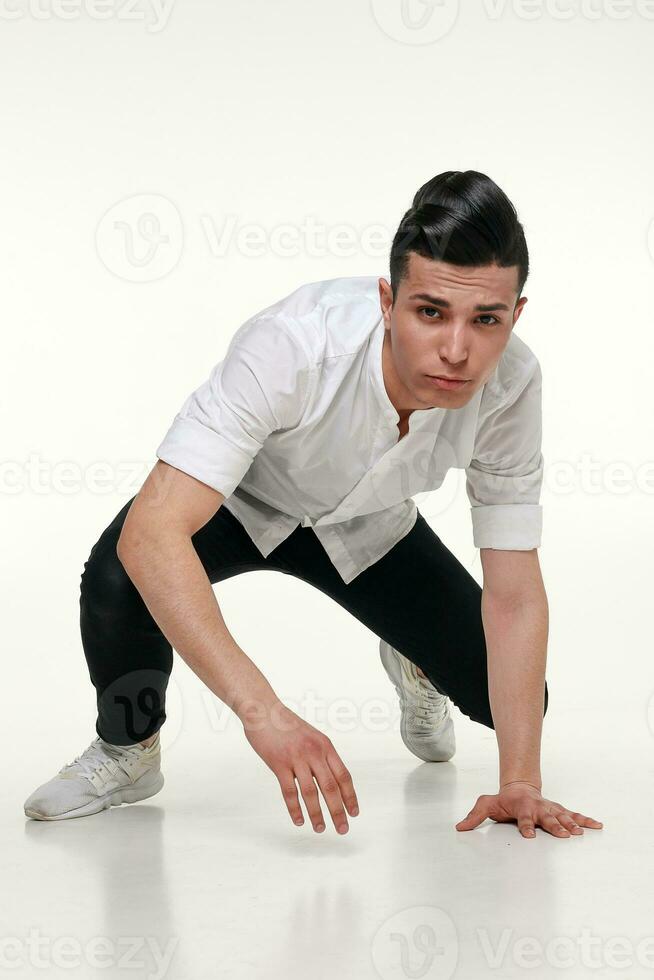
(516, 641)
(172, 582)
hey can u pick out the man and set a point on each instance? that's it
(301, 453)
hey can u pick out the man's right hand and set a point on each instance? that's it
(293, 749)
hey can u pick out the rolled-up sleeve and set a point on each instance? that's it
(505, 475)
(259, 387)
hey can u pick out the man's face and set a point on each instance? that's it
(434, 327)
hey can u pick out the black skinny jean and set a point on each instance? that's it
(418, 597)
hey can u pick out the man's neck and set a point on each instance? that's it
(392, 384)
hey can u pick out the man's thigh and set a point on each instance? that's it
(420, 599)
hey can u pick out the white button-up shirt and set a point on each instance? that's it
(295, 426)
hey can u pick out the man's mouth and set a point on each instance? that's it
(447, 383)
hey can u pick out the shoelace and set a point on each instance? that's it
(428, 705)
(92, 758)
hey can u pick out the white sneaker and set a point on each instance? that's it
(426, 725)
(103, 775)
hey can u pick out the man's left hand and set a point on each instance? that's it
(523, 803)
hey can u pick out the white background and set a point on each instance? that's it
(212, 117)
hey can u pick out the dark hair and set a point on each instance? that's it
(464, 218)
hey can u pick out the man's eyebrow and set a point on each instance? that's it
(439, 301)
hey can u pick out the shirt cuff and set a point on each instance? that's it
(507, 527)
(201, 452)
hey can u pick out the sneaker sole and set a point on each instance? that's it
(392, 666)
(125, 794)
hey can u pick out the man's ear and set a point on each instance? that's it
(385, 298)
(519, 307)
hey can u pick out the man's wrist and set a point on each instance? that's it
(260, 703)
(253, 696)
(536, 782)
(257, 713)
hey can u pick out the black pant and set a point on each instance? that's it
(418, 597)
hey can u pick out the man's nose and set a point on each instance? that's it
(454, 346)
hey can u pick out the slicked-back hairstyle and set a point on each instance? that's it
(463, 218)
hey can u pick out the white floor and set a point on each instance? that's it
(211, 879)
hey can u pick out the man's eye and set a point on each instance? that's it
(489, 319)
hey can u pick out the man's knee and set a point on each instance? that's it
(105, 586)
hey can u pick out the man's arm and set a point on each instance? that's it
(157, 552)
(504, 480)
(261, 385)
(516, 621)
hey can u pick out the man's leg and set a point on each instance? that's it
(128, 657)
(421, 600)
(129, 661)
(418, 597)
